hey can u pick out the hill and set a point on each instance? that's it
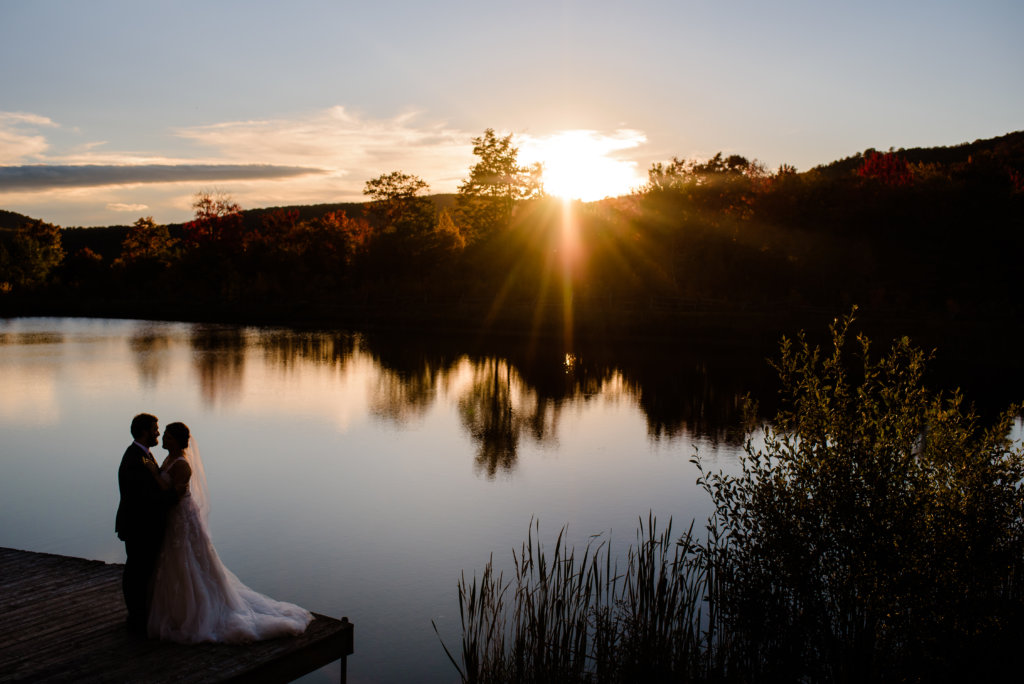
(11, 220)
(1006, 149)
(352, 209)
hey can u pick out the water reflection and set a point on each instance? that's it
(149, 343)
(489, 416)
(697, 398)
(504, 392)
(27, 338)
(219, 361)
(411, 378)
(284, 348)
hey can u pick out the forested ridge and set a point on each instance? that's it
(934, 232)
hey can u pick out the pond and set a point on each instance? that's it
(361, 475)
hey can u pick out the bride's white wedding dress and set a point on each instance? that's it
(196, 598)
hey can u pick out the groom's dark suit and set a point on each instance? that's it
(141, 518)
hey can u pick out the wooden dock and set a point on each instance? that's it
(62, 619)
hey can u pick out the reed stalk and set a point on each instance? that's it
(574, 617)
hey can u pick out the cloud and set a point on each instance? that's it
(14, 118)
(319, 156)
(353, 147)
(601, 143)
(327, 154)
(46, 177)
(18, 144)
(120, 206)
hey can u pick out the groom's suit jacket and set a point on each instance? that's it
(142, 512)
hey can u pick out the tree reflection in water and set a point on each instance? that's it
(410, 378)
(689, 395)
(149, 343)
(488, 414)
(220, 363)
(285, 348)
(503, 391)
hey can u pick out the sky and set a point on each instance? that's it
(115, 110)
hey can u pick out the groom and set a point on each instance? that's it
(141, 517)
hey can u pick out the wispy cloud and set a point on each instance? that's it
(333, 151)
(45, 177)
(121, 206)
(19, 138)
(13, 118)
(354, 147)
(600, 142)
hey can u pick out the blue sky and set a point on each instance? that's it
(110, 111)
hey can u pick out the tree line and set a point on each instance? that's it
(899, 231)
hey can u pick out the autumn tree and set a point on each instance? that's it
(28, 260)
(217, 220)
(488, 196)
(147, 244)
(342, 237)
(275, 232)
(888, 168)
(397, 205)
(447, 234)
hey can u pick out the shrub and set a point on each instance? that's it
(877, 533)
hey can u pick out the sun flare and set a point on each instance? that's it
(578, 164)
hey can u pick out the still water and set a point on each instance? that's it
(357, 476)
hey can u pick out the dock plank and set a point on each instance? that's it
(62, 620)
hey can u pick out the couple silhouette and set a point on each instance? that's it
(175, 586)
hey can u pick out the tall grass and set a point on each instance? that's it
(565, 617)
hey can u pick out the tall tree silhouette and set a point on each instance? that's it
(487, 197)
(398, 205)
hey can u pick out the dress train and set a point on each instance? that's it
(196, 598)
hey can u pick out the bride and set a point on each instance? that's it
(196, 598)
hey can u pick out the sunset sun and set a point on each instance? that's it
(579, 164)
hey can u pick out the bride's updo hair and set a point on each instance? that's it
(180, 433)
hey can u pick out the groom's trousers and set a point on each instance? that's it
(139, 567)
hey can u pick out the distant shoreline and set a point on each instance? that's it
(980, 356)
(662, 319)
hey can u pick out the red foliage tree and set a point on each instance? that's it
(277, 229)
(342, 235)
(888, 168)
(218, 221)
